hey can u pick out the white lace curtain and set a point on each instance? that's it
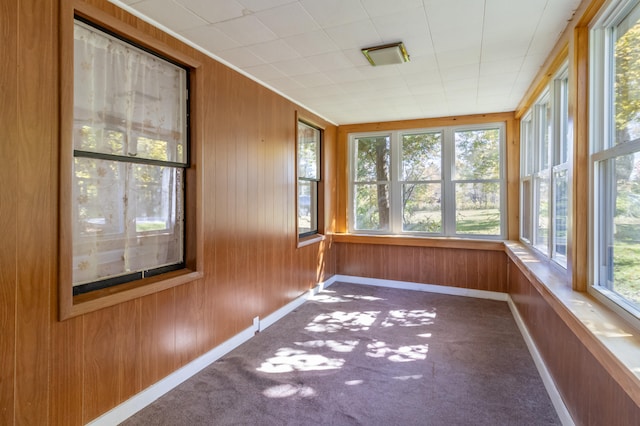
(129, 107)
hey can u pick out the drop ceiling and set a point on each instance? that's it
(467, 56)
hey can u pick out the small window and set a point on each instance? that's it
(130, 152)
(309, 140)
(615, 156)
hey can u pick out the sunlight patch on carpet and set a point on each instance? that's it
(405, 318)
(334, 345)
(288, 390)
(338, 320)
(380, 349)
(287, 360)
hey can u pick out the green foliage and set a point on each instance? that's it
(627, 84)
(477, 154)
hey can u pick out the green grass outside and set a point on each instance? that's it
(626, 270)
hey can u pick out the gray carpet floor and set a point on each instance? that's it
(364, 355)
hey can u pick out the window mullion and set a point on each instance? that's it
(448, 185)
(395, 185)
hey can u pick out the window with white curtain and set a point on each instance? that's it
(615, 157)
(130, 149)
(544, 168)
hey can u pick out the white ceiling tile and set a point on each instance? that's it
(313, 80)
(501, 51)
(426, 89)
(170, 14)
(329, 13)
(463, 72)
(285, 84)
(396, 26)
(311, 43)
(241, 57)
(264, 72)
(459, 14)
(356, 35)
(210, 38)
(330, 61)
(506, 65)
(214, 11)
(297, 66)
(385, 7)
(344, 75)
(370, 72)
(287, 20)
(246, 30)
(258, 5)
(493, 81)
(456, 58)
(273, 51)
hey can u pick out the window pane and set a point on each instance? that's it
(421, 156)
(372, 159)
(307, 206)
(477, 154)
(627, 79)
(308, 152)
(542, 213)
(371, 207)
(478, 208)
(118, 87)
(526, 212)
(127, 218)
(561, 200)
(526, 151)
(422, 207)
(544, 135)
(625, 253)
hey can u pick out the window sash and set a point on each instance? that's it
(309, 139)
(131, 151)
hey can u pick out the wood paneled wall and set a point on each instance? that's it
(69, 372)
(454, 267)
(590, 393)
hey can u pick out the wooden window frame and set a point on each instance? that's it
(69, 305)
(306, 240)
(448, 207)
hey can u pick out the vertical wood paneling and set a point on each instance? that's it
(127, 342)
(66, 371)
(8, 214)
(186, 321)
(476, 269)
(35, 149)
(590, 393)
(101, 369)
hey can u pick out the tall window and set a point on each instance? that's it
(309, 139)
(130, 153)
(615, 155)
(446, 181)
(544, 168)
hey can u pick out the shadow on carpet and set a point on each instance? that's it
(363, 355)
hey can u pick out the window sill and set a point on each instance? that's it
(312, 239)
(95, 300)
(403, 240)
(611, 340)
